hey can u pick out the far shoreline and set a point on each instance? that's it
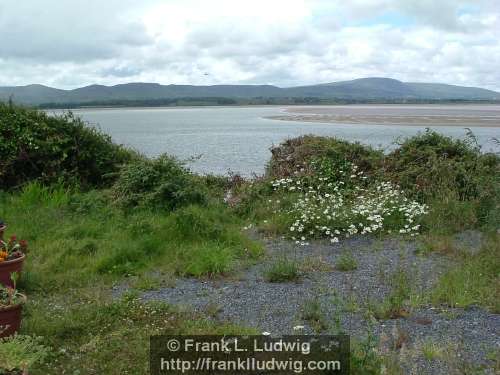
(278, 105)
(373, 122)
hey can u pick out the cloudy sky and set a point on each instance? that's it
(73, 43)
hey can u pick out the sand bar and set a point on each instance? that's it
(465, 116)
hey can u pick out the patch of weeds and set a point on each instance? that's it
(474, 281)
(315, 264)
(336, 327)
(494, 357)
(212, 309)
(313, 313)
(431, 350)
(351, 305)
(449, 314)
(396, 304)
(382, 266)
(378, 245)
(207, 259)
(436, 244)
(365, 357)
(147, 282)
(283, 270)
(275, 224)
(346, 262)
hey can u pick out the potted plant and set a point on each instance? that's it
(11, 306)
(19, 353)
(3, 226)
(12, 255)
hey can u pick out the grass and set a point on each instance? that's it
(95, 335)
(437, 244)
(283, 270)
(431, 350)
(475, 280)
(396, 304)
(315, 264)
(77, 240)
(80, 246)
(312, 312)
(346, 262)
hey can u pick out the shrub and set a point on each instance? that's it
(297, 153)
(36, 146)
(461, 184)
(431, 165)
(161, 183)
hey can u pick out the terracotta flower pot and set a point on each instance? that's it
(8, 267)
(10, 318)
(2, 229)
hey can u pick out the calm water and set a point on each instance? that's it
(239, 138)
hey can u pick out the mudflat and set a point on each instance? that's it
(418, 115)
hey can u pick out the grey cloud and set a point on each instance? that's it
(108, 42)
(70, 31)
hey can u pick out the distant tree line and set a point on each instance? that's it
(221, 101)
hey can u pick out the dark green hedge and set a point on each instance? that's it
(36, 146)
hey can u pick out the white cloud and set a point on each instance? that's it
(292, 42)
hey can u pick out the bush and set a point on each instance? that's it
(297, 153)
(431, 165)
(161, 183)
(36, 146)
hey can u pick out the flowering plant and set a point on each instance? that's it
(12, 249)
(337, 200)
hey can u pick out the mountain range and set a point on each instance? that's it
(359, 89)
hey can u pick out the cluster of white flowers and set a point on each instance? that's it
(341, 206)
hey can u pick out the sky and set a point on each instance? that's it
(74, 43)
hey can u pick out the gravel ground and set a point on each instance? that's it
(465, 338)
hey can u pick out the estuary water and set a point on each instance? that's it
(238, 138)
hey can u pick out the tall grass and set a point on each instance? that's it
(76, 239)
(475, 280)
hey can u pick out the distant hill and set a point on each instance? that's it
(358, 89)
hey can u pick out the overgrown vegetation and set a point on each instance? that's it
(475, 280)
(97, 215)
(36, 146)
(79, 238)
(460, 183)
(94, 335)
(313, 176)
(162, 183)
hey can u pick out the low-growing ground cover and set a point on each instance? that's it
(393, 249)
